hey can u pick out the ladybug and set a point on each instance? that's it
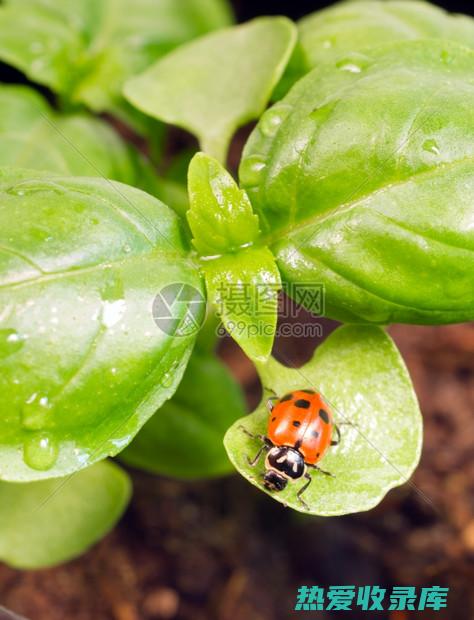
(300, 431)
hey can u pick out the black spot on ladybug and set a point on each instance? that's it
(286, 397)
(298, 444)
(318, 453)
(273, 419)
(308, 391)
(314, 434)
(296, 423)
(302, 403)
(324, 416)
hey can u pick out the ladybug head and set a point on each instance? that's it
(283, 463)
(274, 480)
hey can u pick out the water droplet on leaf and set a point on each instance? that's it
(10, 342)
(40, 451)
(251, 170)
(271, 121)
(345, 65)
(35, 412)
(353, 63)
(321, 114)
(431, 146)
(169, 375)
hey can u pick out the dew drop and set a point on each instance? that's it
(15, 191)
(169, 375)
(351, 67)
(35, 413)
(27, 188)
(40, 451)
(323, 112)
(251, 170)
(10, 342)
(271, 121)
(431, 146)
(40, 234)
(353, 63)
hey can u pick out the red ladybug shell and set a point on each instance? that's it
(302, 420)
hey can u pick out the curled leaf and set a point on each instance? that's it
(361, 375)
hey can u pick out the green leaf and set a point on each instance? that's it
(86, 49)
(366, 184)
(242, 281)
(220, 215)
(83, 363)
(184, 438)
(361, 375)
(50, 521)
(34, 136)
(349, 27)
(244, 290)
(214, 85)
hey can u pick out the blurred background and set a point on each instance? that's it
(221, 550)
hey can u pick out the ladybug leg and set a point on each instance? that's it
(266, 445)
(337, 441)
(249, 434)
(303, 489)
(323, 471)
(254, 461)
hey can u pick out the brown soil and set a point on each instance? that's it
(221, 550)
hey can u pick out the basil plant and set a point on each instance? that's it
(116, 266)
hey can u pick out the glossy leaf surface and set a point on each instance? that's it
(214, 85)
(366, 183)
(47, 522)
(361, 375)
(350, 27)
(83, 364)
(220, 214)
(244, 290)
